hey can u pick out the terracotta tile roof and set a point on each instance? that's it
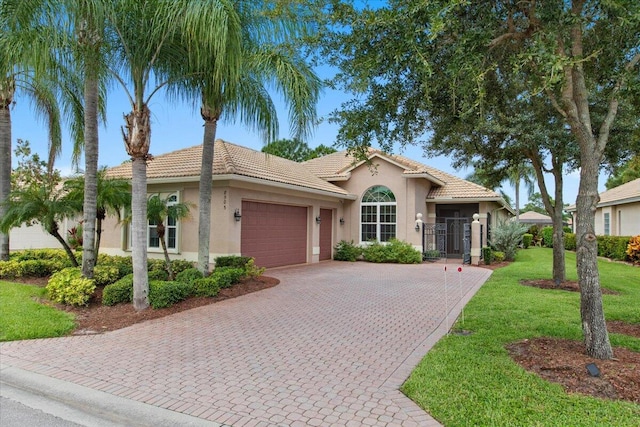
(338, 165)
(625, 193)
(534, 216)
(231, 159)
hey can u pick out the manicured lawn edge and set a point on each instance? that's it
(471, 380)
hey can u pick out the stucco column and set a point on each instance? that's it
(475, 240)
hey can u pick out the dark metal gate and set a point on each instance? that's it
(449, 237)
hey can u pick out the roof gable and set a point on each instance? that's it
(620, 195)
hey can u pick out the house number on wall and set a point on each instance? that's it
(224, 201)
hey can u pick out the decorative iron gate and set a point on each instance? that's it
(450, 237)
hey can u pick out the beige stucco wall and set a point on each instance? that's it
(624, 220)
(227, 196)
(34, 237)
(410, 194)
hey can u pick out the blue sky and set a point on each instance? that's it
(178, 125)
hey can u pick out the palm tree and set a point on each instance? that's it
(255, 60)
(112, 196)
(522, 172)
(25, 54)
(38, 198)
(161, 209)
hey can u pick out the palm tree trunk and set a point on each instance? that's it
(7, 89)
(139, 234)
(206, 177)
(517, 198)
(167, 260)
(53, 230)
(98, 235)
(90, 175)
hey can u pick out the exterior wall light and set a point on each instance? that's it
(237, 215)
(318, 219)
(341, 221)
(418, 222)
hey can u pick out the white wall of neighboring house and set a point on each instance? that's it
(34, 237)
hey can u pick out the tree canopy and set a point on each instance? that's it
(296, 150)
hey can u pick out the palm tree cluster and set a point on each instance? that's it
(223, 55)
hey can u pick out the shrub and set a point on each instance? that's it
(156, 265)
(227, 276)
(164, 294)
(105, 274)
(234, 261)
(395, 251)
(613, 247)
(158, 274)
(10, 269)
(431, 255)
(189, 275)
(533, 230)
(569, 241)
(526, 240)
(206, 287)
(180, 265)
(250, 269)
(69, 287)
(346, 251)
(567, 229)
(547, 236)
(118, 292)
(506, 238)
(487, 255)
(498, 256)
(122, 263)
(633, 249)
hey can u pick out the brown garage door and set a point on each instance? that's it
(274, 235)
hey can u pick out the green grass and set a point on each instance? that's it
(22, 317)
(472, 381)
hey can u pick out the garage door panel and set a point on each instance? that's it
(273, 234)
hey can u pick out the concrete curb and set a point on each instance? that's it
(85, 406)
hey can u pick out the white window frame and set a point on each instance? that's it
(378, 206)
(150, 227)
(607, 223)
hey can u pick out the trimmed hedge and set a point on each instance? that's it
(231, 261)
(206, 287)
(569, 241)
(614, 247)
(526, 240)
(487, 255)
(164, 293)
(395, 251)
(189, 275)
(347, 251)
(67, 286)
(227, 276)
(118, 292)
(547, 236)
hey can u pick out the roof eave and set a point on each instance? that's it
(499, 200)
(250, 179)
(427, 176)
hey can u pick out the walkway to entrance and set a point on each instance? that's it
(330, 345)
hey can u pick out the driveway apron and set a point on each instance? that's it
(330, 345)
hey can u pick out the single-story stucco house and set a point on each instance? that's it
(618, 211)
(283, 212)
(536, 218)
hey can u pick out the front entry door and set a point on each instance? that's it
(326, 232)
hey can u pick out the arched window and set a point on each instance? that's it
(378, 215)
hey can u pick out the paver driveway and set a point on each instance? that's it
(330, 345)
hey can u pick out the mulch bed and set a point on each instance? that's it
(567, 285)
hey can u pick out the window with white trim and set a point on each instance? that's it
(378, 214)
(607, 224)
(170, 233)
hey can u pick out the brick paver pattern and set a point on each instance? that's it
(330, 345)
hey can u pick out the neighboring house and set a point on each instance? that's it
(535, 218)
(618, 211)
(34, 236)
(283, 213)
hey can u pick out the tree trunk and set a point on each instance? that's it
(161, 230)
(517, 199)
(100, 216)
(594, 326)
(53, 230)
(139, 226)
(7, 89)
(559, 268)
(90, 175)
(206, 177)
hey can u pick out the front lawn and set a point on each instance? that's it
(471, 380)
(23, 317)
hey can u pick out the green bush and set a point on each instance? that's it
(346, 251)
(69, 287)
(547, 236)
(105, 274)
(526, 240)
(567, 229)
(613, 247)
(506, 237)
(189, 275)
(118, 292)
(250, 269)
(164, 294)
(395, 251)
(122, 263)
(534, 231)
(156, 265)
(10, 269)
(158, 274)
(180, 265)
(43, 254)
(569, 241)
(234, 261)
(431, 255)
(227, 276)
(498, 256)
(206, 287)
(487, 255)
